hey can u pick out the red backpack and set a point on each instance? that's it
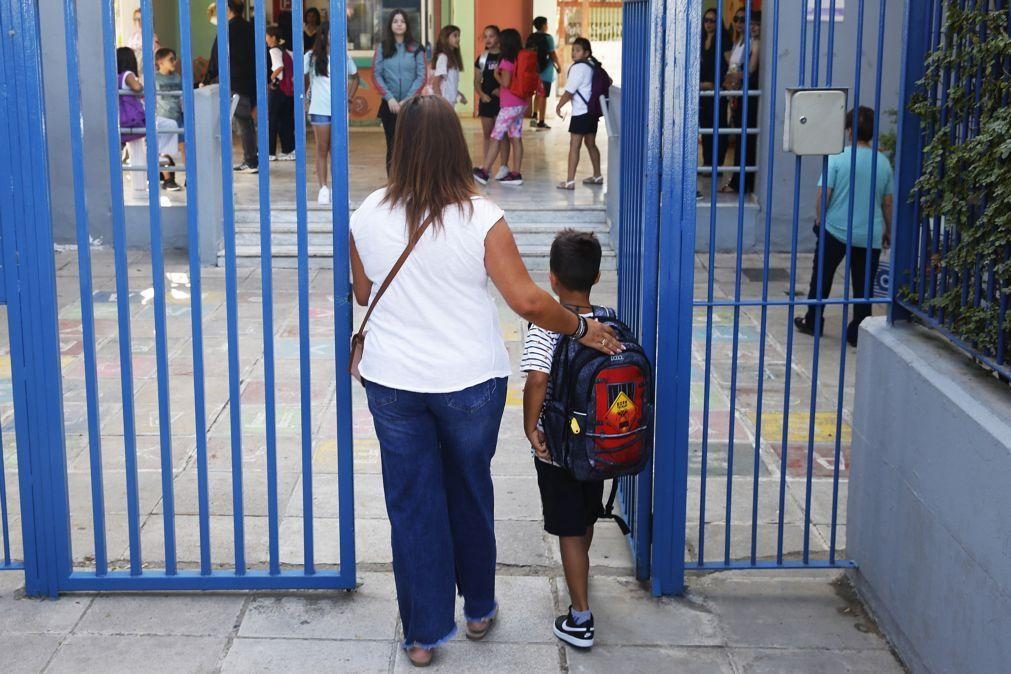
(287, 85)
(526, 79)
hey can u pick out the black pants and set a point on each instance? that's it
(835, 253)
(247, 129)
(706, 108)
(389, 120)
(748, 140)
(281, 118)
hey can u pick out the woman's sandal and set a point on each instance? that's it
(727, 189)
(420, 657)
(479, 630)
(567, 185)
(594, 180)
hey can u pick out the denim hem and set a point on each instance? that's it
(428, 647)
(487, 616)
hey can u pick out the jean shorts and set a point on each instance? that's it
(319, 119)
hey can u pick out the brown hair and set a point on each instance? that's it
(442, 47)
(430, 168)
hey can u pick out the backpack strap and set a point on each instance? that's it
(604, 312)
(608, 510)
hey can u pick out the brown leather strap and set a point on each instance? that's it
(393, 272)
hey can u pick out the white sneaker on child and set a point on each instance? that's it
(503, 171)
(324, 195)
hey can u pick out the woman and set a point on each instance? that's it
(745, 49)
(583, 126)
(448, 66)
(487, 89)
(398, 71)
(435, 367)
(310, 29)
(708, 77)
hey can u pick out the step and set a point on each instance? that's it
(572, 217)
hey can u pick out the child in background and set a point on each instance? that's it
(448, 66)
(583, 125)
(169, 107)
(487, 89)
(280, 98)
(131, 108)
(510, 117)
(570, 507)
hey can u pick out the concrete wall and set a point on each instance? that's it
(844, 66)
(929, 515)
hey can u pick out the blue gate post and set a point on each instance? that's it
(915, 40)
(30, 279)
(679, 118)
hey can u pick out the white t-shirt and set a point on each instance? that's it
(579, 83)
(436, 329)
(451, 78)
(319, 86)
(277, 61)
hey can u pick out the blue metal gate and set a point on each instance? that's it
(35, 329)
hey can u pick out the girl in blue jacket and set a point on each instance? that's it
(398, 72)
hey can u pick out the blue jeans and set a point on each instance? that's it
(436, 451)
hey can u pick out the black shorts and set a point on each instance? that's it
(569, 506)
(584, 125)
(547, 88)
(488, 109)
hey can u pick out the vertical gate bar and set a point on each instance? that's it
(763, 328)
(710, 282)
(4, 527)
(267, 296)
(86, 290)
(122, 286)
(791, 308)
(305, 374)
(343, 306)
(850, 206)
(196, 287)
(158, 283)
(231, 286)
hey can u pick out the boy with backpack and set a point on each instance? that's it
(587, 418)
(518, 81)
(586, 82)
(280, 97)
(547, 65)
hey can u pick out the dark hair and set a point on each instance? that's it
(510, 43)
(865, 123)
(126, 61)
(575, 259)
(430, 168)
(390, 42)
(320, 59)
(584, 44)
(275, 32)
(163, 53)
(540, 22)
(711, 10)
(756, 16)
(491, 26)
(237, 6)
(442, 47)
(312, 11)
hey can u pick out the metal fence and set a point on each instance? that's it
(716, 130)
(42, 443)
(927, 268)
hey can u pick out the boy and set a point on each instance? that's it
(570, 507)
(169, 108)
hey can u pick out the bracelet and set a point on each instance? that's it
(581, 329)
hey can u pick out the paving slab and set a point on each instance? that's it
(189, 615)
(295, 656)
(610, 659)
(492, 658)
(23, 615)
(27, 653)
(368, 613)
(790, 661)
(626, 614)
(526, 611)
(111, 654)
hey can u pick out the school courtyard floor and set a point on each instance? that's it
(797, 621)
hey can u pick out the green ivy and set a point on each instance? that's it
(965, 181)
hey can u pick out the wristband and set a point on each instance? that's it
(581, 329)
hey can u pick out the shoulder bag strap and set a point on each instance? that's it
(393, 272)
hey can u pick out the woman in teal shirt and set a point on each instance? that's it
(398, 72)
(546, 51)
(869, 177)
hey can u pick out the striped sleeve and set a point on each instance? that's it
(538, 350)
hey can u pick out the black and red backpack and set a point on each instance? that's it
(598, 418)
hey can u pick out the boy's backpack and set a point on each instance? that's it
(526, 79)
(600, 86)
(131, 112)
(540, 42)
(598, 419)
(287, 85)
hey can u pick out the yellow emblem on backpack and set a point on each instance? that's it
(574, 425)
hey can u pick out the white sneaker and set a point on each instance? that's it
(272, 157)
(324, 195)
(286, 157)
(503, 171)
